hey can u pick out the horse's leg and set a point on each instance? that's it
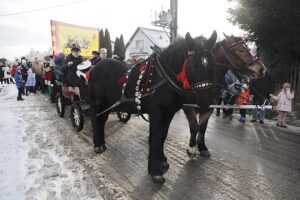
(99, 141)
(203, 120)
(191, 115)
(157, 135)
(166, 124)
(98, 123)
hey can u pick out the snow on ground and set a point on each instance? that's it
(36, 161)
(13, 153)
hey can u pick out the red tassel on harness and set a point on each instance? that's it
(181, 76)
(143, 68)
(122, 80)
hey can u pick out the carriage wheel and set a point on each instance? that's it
(123, 116)
(76, 116)
(60, 105)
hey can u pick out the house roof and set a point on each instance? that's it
(157, 37)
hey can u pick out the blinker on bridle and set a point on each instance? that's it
(203, 84)
(204, 60)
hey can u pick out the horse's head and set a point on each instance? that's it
(200, 67)
(242, 62)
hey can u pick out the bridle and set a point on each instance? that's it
(231, 55)
(170, 76)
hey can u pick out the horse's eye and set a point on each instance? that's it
(204, 62)
(242, 51)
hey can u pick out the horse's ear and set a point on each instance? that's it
(189, 41)
(211, 41)
(226, 36)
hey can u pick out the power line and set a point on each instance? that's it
(41, 9)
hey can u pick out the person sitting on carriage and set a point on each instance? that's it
(72, 61)
(103, 53)
(59, 61)
(96, 57)
(70, 67)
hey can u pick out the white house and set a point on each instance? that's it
(142, 39)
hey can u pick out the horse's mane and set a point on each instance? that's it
(176, 52)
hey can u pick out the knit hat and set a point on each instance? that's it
(286, 85)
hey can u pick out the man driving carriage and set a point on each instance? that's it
(70, 67)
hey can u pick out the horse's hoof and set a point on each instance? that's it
(191, 152)
(158, 179)
(205, 153)
(100, 149)
(165, 166)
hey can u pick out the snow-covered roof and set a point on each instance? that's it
(160, 38)
(157, 37)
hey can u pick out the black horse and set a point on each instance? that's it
(158, 86)
(231, 53)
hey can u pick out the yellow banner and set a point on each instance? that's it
(65, 35)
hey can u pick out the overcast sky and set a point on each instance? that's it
(20, 32)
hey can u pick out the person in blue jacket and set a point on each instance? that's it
(20, 82)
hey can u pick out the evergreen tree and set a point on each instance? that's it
(122, 47)
(274, 25)
(117, 47)
(102, 39)
(108, 43)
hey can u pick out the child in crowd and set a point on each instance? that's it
(243, 99)
(19, 83)
(30, 84)
(284, 103)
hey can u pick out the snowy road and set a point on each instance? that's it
(42, 157)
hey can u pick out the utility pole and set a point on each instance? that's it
(173, 24)
(168, 20)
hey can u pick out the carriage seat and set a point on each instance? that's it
(83, 68)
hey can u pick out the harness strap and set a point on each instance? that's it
(163, 74)
(229, 58)
(128, 100)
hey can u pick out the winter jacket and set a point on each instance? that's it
(19, 80)
(31, 80)
(37, 68)
(13, 70)
(95, 60)
(244, 97)
(7, 72)
(24, 68)
(284, 99)
(72, 77)
(58, 62)
(1, 70)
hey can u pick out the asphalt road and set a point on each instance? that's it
(248, 161)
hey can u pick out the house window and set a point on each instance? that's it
(139, 44)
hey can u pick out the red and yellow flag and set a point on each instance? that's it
(65, 35)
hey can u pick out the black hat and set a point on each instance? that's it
(75, 47)
(96, 52)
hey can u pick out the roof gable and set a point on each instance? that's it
(157, 37)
